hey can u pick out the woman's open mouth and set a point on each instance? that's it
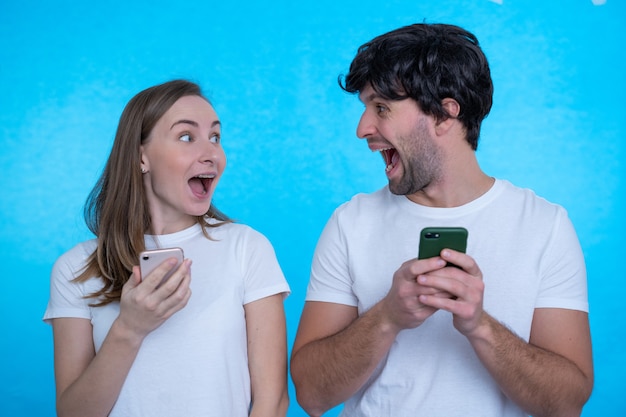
(201, 184)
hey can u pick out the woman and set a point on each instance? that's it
(127, 345)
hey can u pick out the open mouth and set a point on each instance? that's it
(201, 184)
(390, 156)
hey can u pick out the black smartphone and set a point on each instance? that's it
(150, 259)
(434, 239)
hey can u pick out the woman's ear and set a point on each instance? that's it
(452, 107)
(145, 166)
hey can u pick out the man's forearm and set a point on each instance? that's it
(541, 382)
(328, 371)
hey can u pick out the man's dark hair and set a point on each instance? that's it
(428, 63)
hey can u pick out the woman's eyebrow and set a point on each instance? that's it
(184, 121)
(194, 124)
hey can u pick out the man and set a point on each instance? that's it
(505, 332)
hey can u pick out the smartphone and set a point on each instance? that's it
(150, 259)
(434, 239)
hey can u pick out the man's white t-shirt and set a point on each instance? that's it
(530, 258)
(194, 364)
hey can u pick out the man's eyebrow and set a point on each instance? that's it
(370, 97)
(194, 124)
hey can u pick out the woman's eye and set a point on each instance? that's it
(185, 138)
(215, 138)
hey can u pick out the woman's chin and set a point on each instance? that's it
(199, 210)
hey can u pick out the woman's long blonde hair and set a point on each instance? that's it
(116, 210)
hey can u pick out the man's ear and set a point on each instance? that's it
(452, 107)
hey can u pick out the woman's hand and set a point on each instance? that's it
(146, 303)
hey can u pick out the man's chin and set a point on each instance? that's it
(397, 190)
(403, 188)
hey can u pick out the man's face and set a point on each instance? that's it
(404, 136)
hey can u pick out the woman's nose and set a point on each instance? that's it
(211, 152)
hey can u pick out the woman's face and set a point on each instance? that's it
(183, 159)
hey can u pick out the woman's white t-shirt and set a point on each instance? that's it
(195, 363)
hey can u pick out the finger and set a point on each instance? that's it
(465, 288)
(439, 303)
(423, 266)
(179, 298)
(177, 277)
(461, 260)
(425, 290)
(134, 279)
(155, 277)
(449, 280)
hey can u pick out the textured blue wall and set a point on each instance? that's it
(67, 69)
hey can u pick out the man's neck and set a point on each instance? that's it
(460, 184)
(460, 179)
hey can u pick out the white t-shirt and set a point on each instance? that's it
(530, 258)
(195, 363)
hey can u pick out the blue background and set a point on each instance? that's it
(67, 69)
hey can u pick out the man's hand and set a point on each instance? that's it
(403, 306)
(464, 284)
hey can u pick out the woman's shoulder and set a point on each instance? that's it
(240, 231)
(240, 235)
(79, 252)
(72, 262)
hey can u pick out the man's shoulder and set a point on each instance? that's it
(365, 202)
(527, 199)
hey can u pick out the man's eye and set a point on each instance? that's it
(215, 138)
(381, 109)
(185, 138)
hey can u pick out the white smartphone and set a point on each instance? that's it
(150, 259)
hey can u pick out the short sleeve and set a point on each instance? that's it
(564, 275)
(330, 273)
(67, 297)
(262, 273)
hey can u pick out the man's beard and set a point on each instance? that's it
(421, 162)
